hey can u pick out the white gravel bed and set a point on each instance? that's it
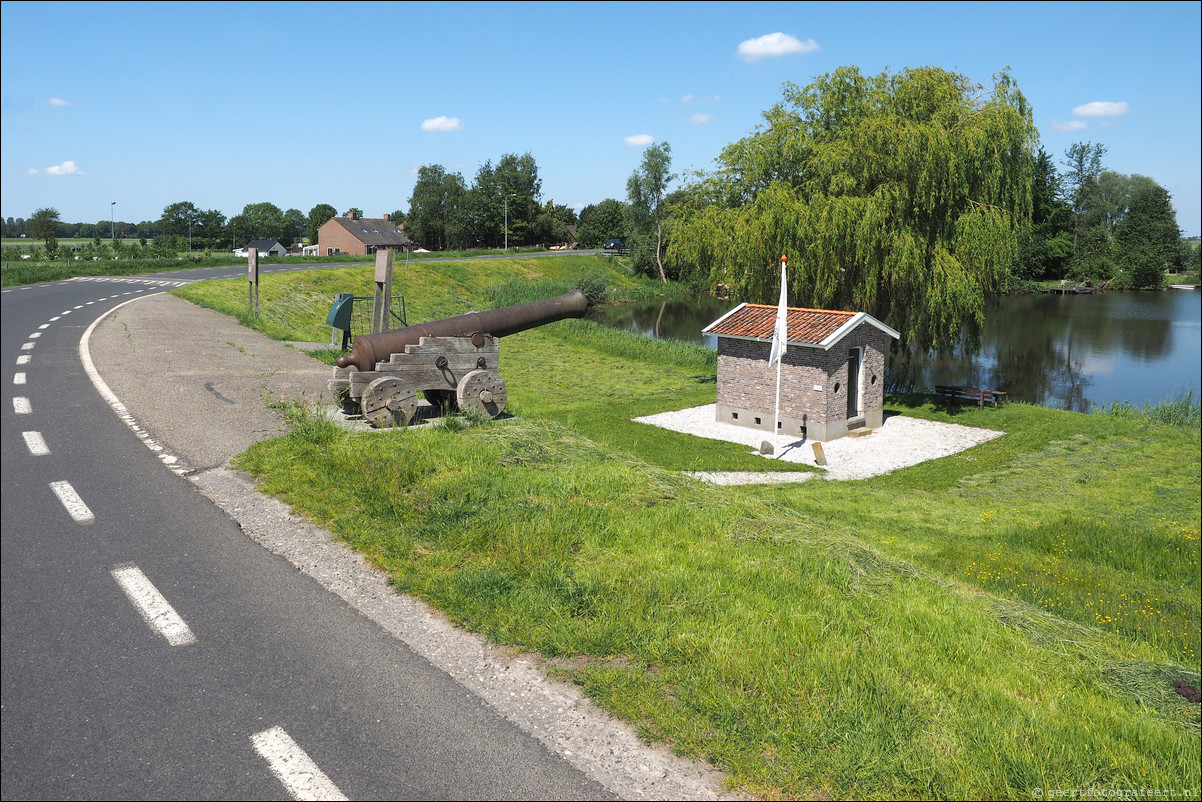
(899, 443)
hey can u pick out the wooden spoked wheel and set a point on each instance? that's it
(482, 391)
(389, 402)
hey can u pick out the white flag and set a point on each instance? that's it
(780, 335)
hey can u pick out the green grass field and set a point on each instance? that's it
(1004, 623)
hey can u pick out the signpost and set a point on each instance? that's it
(383, 298)
(252, 271)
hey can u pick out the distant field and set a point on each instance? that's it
(29, 243)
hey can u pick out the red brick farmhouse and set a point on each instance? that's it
(832, 373)
(359, 235)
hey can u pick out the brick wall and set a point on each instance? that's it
(334, 235)
(813, 393)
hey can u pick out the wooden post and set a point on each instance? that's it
(380, 315)
(252, 272)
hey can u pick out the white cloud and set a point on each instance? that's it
(31, 171)
(57, 101)
(701, 119)
(1102, 108)
(640, 140)
(66, 168)
(441, 124)
(1071, 125)
(774, 44)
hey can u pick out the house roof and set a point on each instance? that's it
(264, 244)
(372, 230)
(813, 328)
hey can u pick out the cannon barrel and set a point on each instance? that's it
(368, 349)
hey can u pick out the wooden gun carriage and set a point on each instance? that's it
(454, 362)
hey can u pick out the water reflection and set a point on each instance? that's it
(1065, 352)
(665, 320)
(1072, 352)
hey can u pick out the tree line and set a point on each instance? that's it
(502, 207)
(914, 196)
(184, 226)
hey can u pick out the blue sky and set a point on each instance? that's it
(225, 104)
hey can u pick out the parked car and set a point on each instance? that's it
(242, 252)
(614, 245)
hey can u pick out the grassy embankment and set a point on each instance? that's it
(1009, 619)
(16, 272)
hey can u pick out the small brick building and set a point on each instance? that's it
(832, 373)
(359, 235)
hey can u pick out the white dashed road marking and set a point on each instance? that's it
(295, 769)
(19, 378)
(155, 609)
(73, 503)
(36, 443)
(21, 405)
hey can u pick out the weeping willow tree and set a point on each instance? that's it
(900, 195)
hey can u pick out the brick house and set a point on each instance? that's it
(832, 373)
(359, 235)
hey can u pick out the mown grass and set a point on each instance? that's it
(1008, 619)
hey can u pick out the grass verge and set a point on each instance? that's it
(1008, 619)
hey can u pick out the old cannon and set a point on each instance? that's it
(453, 362)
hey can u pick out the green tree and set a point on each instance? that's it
(319, 215)
(602, 222)
(436, 209)
(646, 190)
(210, 229)
(503, 203)
(1148, 236)
(1084, 166)
(551, 225)
(397, 218)
(259, 221)
(295, 224)
(43, 225)
(900, 195)
(1045, 247)
(178, 218)
(354, 211)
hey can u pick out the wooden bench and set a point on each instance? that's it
(948, 392)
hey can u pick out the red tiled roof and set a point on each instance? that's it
(757, 321)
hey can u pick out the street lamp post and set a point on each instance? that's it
(113, 221)
(507, 197)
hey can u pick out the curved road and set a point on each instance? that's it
(151, 650)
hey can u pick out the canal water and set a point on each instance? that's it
(1059, 351)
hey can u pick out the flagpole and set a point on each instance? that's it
(784, 337)
(776, 419)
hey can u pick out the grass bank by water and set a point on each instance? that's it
(1008, 619)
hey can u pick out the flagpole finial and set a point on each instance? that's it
(784, 258)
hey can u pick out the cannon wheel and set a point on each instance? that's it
(389, 402)
(482, 391)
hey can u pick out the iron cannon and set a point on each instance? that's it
(453, 362)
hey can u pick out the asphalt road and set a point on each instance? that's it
(149, 649)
